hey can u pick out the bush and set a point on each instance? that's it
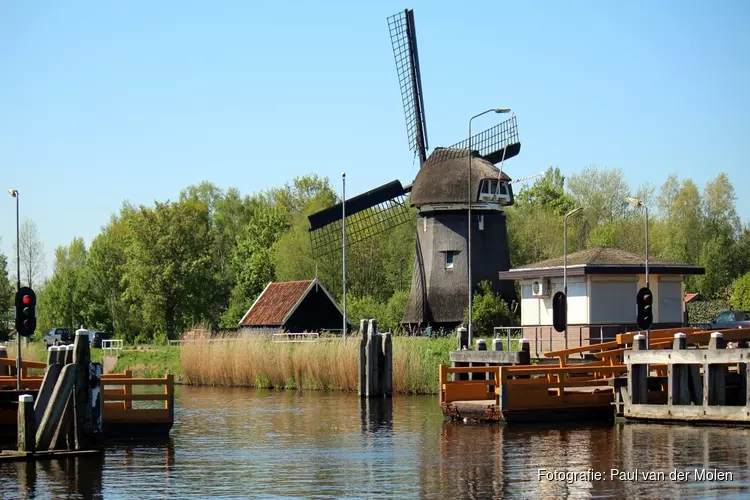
(358, 308)
(741, 294)
(393, 312)
(702, 311)
(489, 310)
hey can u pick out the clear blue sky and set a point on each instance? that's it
(106, 101)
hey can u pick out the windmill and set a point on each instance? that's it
(440, 192)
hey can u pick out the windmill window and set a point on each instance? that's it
(481, 222)
(493, 187)
(503, 189)
(449, 260)
(485, 187)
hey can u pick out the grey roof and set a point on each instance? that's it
(444, 177)
(601, 260)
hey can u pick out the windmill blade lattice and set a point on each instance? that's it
(492, 144)
(404, 42)
(367, 215)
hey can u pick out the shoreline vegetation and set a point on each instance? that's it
(329, 364)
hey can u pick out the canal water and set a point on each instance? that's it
(242, 443)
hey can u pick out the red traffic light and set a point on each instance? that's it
(26, 299)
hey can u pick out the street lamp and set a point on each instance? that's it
(565, 265)
(14, 194)
(636, 202)
(468, 248)
(343, 247)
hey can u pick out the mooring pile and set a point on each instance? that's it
(375, 361)
(67, 412)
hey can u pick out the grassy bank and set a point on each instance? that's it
(324, 365)
(143, 361)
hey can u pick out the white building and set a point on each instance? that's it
(602, 287)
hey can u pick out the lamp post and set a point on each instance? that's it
(468, 239)
(637, 202)
(343, 246)
(565, 266)
(14, 194)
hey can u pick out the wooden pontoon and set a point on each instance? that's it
(121, 418)
(601, 386)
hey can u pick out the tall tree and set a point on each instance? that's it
(33, 264)
(169, 263)
(253, 260)
(6, 297)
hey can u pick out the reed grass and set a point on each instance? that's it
(328, 364)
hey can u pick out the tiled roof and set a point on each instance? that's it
(602, 256)
(689, 297)
(275, 303)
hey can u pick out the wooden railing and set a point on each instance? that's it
(535, 387)
(118, 403)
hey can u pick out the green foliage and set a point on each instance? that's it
(548, 192)
(168, 264)
(358, 308)
(489, 311)
(6, 299)
(703, 310)
(154, 271)
(741, 295)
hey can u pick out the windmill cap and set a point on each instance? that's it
(444, 177)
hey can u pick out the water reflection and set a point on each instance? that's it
(239, 443)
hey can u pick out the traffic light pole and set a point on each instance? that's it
(18, 285)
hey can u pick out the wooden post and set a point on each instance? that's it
(481, 346)
(463, 338)
(4, 370)
(52, 355)
(362, 387)
(48, 383)
(497, 344)
(387, 366)
(53, 414)
(69, 354)
(462, 343)
(741, 369)
(374, 350)
(26, 424)
(524, 357)
(716, 385)
(638, 375)
(81, 359)
(96, 402)
(678, 393)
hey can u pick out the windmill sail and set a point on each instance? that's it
(404, 42)
(367, 215)
(495, 144)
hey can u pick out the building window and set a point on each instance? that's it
(481, 222)
(449, 260)
(424, 225)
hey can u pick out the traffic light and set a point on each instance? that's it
(559, 312)
(25, 311)
(644, 308)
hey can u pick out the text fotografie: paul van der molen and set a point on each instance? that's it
(634, 475)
